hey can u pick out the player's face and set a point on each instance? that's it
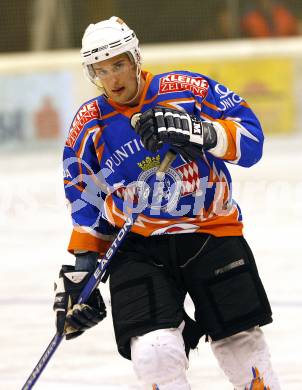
(118, 77)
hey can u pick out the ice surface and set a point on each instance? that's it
(35, 228)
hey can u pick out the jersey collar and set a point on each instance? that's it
(129, 110)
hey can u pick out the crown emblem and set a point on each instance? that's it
(149, 163)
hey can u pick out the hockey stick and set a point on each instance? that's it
(96, 277)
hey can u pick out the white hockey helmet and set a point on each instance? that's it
(108, 39)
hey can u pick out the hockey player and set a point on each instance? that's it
(189, 240)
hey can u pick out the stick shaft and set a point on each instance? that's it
(91, 284)
(37, 371)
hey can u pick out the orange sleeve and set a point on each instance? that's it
(231, 131)
(81, 240)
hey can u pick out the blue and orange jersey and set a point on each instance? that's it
(105, 164)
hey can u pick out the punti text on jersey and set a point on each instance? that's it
(125, 151)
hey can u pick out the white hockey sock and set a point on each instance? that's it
(239, 354)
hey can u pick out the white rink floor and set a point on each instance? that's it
(34, 231)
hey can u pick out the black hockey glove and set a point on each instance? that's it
(73, 319)
(186, 134)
